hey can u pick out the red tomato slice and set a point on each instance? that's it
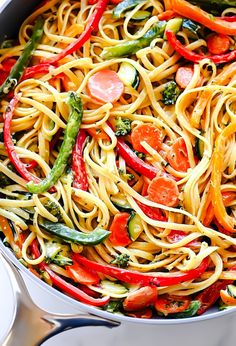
(170, 304)
(80, 274)
(105, 86)
(119, 230)
(163, 190)
(148, 133)
(177, 156)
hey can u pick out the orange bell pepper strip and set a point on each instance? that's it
(195, 13)
(217, 163)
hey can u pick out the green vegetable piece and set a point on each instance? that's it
(124, 6)
(199, 148)
(191, 28)
(128, 75)
(135, 226)
(62, 261)
(23, 61)
(7, 44)
(52, 249)
(190, 312)
(123, 126)
(174, 25)
(131, 47)
(73, 236)
(170, 93)
(139, 16)
(53, 208)
(121, 204)
(72, 128)
(114, 306)
(113, 287)
(121, 261)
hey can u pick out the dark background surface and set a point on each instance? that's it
(13, 15)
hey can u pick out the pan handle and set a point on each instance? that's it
(40, 325)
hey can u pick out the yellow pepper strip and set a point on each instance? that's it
(217, 169)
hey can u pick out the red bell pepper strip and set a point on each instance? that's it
(195, 57)
(135, 277)
(210, 295)
(31, 165)
(167, 15)
(185, 9)
(175, 236)
(78, 165)
(65, 286)
(134, 161)
(92, 25)
(36, 70)
(119, 230)
(153, 213)
(18, 164)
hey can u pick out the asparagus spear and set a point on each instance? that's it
(18, 69)
(131, 47)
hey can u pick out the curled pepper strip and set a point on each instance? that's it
(134, 161)
(195, 57)
(217, 163)
(135, 277)
(184, 8)
(91, 25)
(65, 286)
(18, 164)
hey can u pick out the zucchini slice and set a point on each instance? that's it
(113, 287)
(128, 75)
(190, 312)
(121, 204)
(139, 16)
(199, 148)
(135, 226)
(124, 6)
(173, 25)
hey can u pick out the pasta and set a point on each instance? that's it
(169, 206)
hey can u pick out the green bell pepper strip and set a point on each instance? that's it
(72, 128)
(73, 236)
(19, 67)
(131, 47)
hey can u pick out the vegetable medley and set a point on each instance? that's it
(117, 153)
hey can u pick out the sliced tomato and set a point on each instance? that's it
(146, 133)
(171, 304)
(105, 86)
(163, 190)
(140, 299)
(177, 156)
(218, 43)
(119, 230)
(81, 274)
